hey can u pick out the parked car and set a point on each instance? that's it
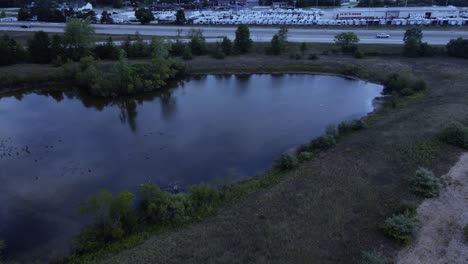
(382, 35)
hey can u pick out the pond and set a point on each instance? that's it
(58, 148)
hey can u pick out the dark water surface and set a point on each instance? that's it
(56, 149)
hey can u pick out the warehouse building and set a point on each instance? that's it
(426, 12)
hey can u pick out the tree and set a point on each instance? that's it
(458, 48)
(106, 18)
(242, 43)
(303, 48)
(78, 38)
(11, 52)
(415, 33)
(278, 42)
(217, 51)
(226, 46)
(197, 42)
(24, 14)
(57, 49)
(180, 17)
(39, 47)
(107, 51)
(144, 15)
(413, 44)
(347, 41)
(275, 45)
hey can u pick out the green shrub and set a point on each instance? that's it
(408, 208)
(313, 56)
(217, 52)
(331, 130)
(455, 134)
(322, 143)
(178, 48)
(346, 127)
(403, 83)
(187, 54)
(401, 228)
(304, 156)
(424, 183)
(458, 48)
(286, 162)
(372, 257)
(204, 199)
(114, 218)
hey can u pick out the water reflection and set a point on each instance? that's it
(58, 147)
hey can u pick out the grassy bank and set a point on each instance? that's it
(331, 208)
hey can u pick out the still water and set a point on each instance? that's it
(58, 148)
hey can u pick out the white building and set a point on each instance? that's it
(427, 12)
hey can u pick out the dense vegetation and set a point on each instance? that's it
(124, 78)
(458, 48)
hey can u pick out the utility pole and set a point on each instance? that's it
(406, 3)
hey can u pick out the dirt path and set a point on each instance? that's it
(440, 239)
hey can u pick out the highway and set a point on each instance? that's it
(260, 34)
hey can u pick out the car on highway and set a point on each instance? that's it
(25, 26)
(382, 35)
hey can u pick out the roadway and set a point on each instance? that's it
(436, 37)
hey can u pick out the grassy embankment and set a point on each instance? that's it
(330, 208)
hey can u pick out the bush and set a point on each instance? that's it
(313, 56)
(408, 208)
(400, 228)
(455, 134)
(217, 52)
(107, 51)
(346, 127)
(197, 42)
(204, 199)
(403, 83)
(331, 130)
(114, 218)
(178, 48)
(226, 46)
(424, 183)
(286, 162)
(304, 156)
(372, 257)
(458, 48)
(187, 54)
(322, 143)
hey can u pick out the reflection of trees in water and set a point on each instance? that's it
(128, 113)
(242, 83)
(168, 105)
(126, 104)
